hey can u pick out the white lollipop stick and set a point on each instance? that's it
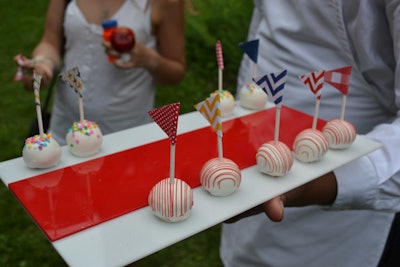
(277, 124)
(316, 111)
(172, 163)
(36, 88)
(220, 148)
(343, 107)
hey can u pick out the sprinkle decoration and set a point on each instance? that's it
(38, 140)
(251, 87)
(86, 127)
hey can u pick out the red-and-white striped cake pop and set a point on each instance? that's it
(310, 145)
(171, 200)
(340, 133)
(274, 158)
(220, 177)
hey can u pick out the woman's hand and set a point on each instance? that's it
(139, 57)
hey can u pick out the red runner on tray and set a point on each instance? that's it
(65, 201)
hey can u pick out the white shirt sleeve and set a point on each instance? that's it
(376, 182)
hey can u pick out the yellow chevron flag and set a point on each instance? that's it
(211, 110)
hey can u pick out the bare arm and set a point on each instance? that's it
(168, 64)
(47, 54)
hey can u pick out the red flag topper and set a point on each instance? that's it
(339, 78)
(167, 118)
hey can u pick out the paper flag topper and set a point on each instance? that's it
(250, 48)
(314, 81)
(220, 58)
(167, 118)
(339, 78)
(273, 84)
(211, 110)
(73, 78)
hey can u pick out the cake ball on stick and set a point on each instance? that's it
(339, 132)
(84, 138)
(171, 199)
(40, 151)
(219, 176)
(274, 158)
(251, 96)
(227, 100)
(311, 144)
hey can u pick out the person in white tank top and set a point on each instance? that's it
(116, 96)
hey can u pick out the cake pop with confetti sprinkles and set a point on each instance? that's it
(40, 151)
(84, 138)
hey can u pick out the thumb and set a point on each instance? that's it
(274, 209)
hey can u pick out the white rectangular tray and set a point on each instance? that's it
(138, 234)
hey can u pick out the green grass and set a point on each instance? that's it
(21, 242)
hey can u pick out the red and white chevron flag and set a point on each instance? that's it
(167, 118)
(314, 81)
(211, 110)
(339, 78)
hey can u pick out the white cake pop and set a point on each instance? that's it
(84, 138)
(171, 200)
(340, 133)
(310, 145)
(220, 177)
(41, 151)
(274, 158)
(251, 96)
(227, 102)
